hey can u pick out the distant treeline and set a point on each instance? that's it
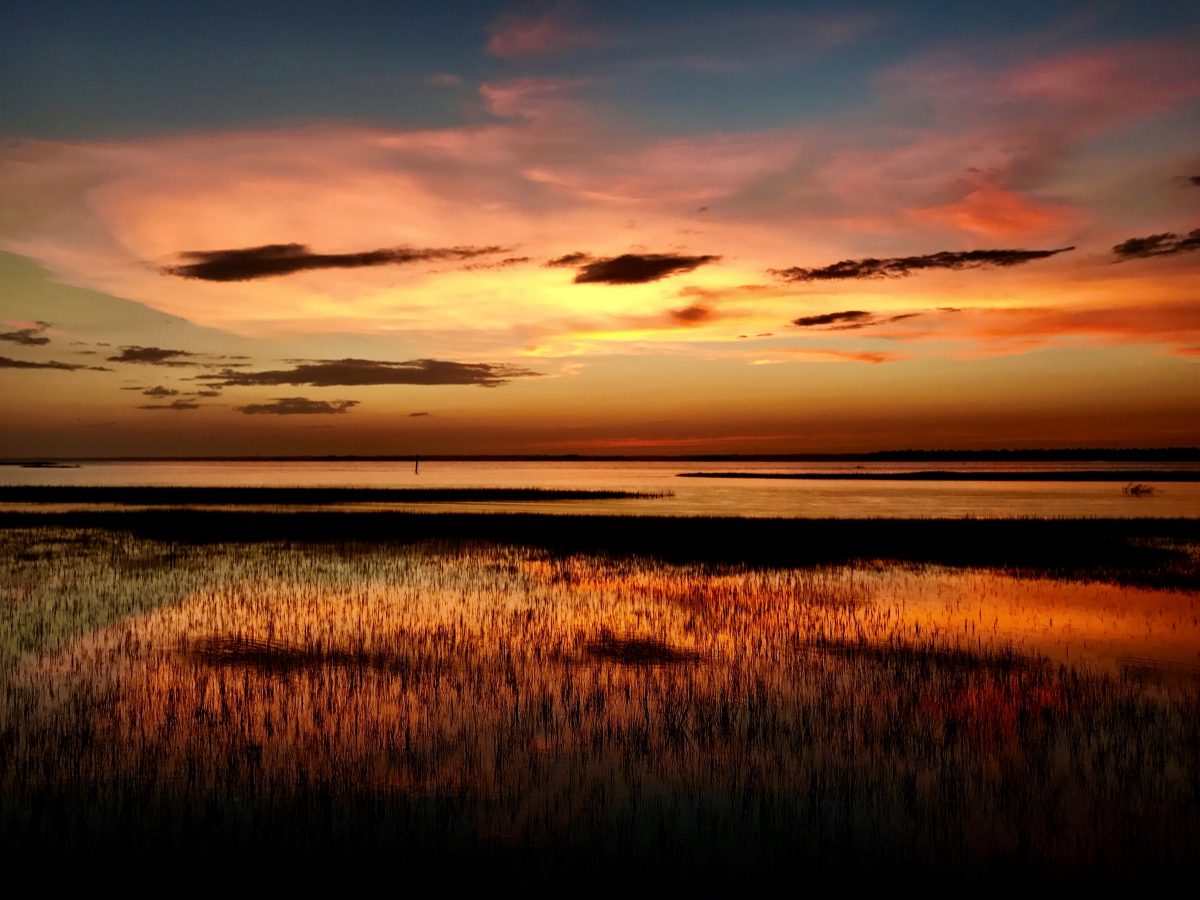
(1072, 454)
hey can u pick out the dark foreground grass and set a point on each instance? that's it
(1150, 552)
(411, 716)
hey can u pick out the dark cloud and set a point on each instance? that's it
(899, 266)
(160, 391)
(8, 363)
(638, 268)
(29, 337)
(418, 415)
(174, 405)
(1166, 244)
(297, 406)
(153, 356)
(271, 260)
(849, 315)
(208, 393)
(498, 264)
(692, 315)
(571, 259)
(359, 372)
(849, 320)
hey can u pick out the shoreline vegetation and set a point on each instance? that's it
(1162, 553)
(299, 496)
(1071, 454)
(1122, 475)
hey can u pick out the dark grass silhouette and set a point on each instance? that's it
(1151, 552)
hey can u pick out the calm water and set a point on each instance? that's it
(691, 496)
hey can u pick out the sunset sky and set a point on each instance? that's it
(375, 228)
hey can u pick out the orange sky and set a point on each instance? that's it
(693, 308)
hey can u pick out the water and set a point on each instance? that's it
(691, 496)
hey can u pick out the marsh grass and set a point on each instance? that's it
(429, 714)
(631, 650)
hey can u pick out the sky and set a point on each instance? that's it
(392, 228)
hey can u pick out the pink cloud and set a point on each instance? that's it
(787, 354)
(533, 99)
(1080, 91)
(992, 211)
(514, 36)
(1020, 329)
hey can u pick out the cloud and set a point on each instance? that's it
(514, 36)
(505, 263)
(900, 266)
(154, 356)
(569, 260)
(360, 372)
(29, 337)
(849, 315)
(1006, 330)
(994, 212)
(788, 354)
(174, 405)
(849, 319)
(692, 315)
(417, 415)
(9, 363)
(1166, 244)
(160, 391)
(638, 268)
(271, 260)
(297, 406)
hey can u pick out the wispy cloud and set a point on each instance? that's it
(153, 356)
(513, 35)
(173, 406)
(360, 372)
(160, 391)
(808, 354)
(297, 406)
(630, 268)
(29, 337)
(272, 260)
(900, 266)
(1165, 244)
(849, 319)
(9, 363)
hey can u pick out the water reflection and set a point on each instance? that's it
(690, 496)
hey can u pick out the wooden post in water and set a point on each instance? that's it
(416, 465)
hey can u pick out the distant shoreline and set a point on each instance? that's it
(298, 496)
(1073, 454)
(1119, 475)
